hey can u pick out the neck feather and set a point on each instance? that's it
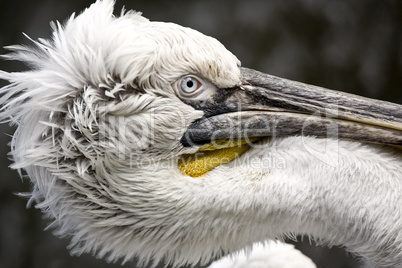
(337, 192)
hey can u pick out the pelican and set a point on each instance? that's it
(149, 140)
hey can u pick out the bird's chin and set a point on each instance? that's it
(213, 154)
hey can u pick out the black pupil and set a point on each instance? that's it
(190, 83)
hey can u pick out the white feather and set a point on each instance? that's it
(98, 133)
(269, 255)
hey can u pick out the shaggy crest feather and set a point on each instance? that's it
(98, 133)
(86, 115)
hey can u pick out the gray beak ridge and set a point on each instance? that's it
(268, 106)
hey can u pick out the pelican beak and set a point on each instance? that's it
(269, 106)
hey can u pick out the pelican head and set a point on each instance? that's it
(147, 139)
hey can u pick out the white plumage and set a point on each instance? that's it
(269, 255)
(99, 129)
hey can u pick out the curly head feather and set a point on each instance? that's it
(98, 127)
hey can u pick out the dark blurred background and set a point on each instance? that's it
(348, 45)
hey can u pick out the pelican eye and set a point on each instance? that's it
(191, 87)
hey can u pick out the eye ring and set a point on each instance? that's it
(193, 88)
(189, 85)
